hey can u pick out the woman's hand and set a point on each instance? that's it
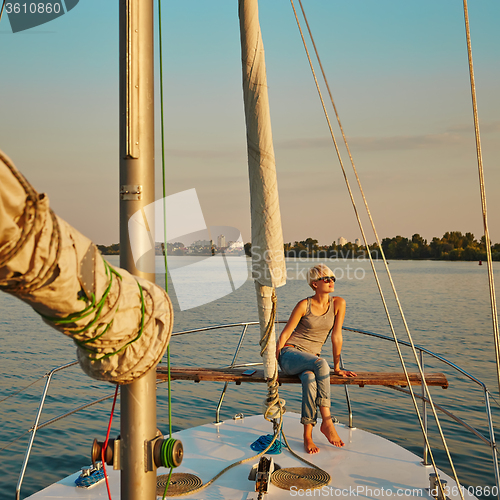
(344, 373)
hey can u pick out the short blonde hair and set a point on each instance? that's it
(316, 272)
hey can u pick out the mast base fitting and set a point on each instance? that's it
(434, 489)
(168, 452)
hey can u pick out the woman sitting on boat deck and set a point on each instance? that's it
(299, 348)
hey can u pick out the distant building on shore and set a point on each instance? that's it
(357, 242)
(342, 241)
(221, 241)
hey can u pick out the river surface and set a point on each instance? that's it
(446, 306)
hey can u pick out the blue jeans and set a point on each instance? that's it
(314, 373)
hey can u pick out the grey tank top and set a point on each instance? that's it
(312, 331)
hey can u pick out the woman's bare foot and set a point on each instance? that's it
(328, 429)
(309, 445)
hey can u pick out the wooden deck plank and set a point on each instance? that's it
(236, 375)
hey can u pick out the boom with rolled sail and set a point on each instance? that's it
(121, 324)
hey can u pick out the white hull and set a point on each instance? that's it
(369, 466)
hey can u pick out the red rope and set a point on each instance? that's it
(103, 451)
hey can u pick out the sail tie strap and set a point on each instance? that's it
(264, 341)
(424, 433)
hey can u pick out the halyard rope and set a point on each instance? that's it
(374, 269)
(160, 53)
(493, 301)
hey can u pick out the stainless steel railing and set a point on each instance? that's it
(421, 350)
(244, 325)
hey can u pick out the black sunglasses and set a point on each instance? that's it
(326, 279)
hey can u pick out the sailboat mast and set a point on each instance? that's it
(138, 399)
(268, 263)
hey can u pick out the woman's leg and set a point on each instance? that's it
(309, 397)
(327, 427)
(314, 373)
(295, 362)
(321, 370)
(322, 374)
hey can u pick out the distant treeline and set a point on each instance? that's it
(113, 249)
(452, 246)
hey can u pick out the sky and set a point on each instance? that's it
(398, 72)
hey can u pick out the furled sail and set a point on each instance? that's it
(268, 263)
(121, 324)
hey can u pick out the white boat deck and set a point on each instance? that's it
(368, 466)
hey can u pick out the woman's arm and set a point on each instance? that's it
(297, 313)
(339, 305)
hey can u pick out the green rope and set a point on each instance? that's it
(92, 307)
(168, 483)
(141, 329)
(169, 393)
(162, 147)
(96, 309)
(164, 230)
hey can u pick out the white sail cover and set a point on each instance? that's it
(120, 323)
(268, 261)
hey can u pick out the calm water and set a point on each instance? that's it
(446, 306)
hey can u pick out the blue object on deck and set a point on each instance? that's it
(263, 442)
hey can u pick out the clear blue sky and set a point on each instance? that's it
(398, 72)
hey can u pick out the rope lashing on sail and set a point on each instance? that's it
(124, 326)
(479, 155)
(273, 400)
(264, 341)
(422, 426)
(97, 310)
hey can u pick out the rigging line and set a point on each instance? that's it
(14, 440)
(372, 223)
(1, 11)
(400, 308)
(479, 155)
(160, 43)
(105, 446)
(377, 280)
(23, 389)
(56, 419)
